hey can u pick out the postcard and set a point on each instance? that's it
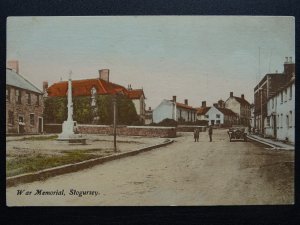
(150, 111)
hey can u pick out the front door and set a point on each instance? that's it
(274, 127)
(21, 125)
(40, 125)
(212, 122)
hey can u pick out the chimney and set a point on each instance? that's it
(104, 74)
(215, 105)
(242, 96)
(45, 86)
(286, 59)
(174, 98)
(185, 101)
(149, 109)
(231, 94)
(13, 64)
(203, 103)
(289, 68)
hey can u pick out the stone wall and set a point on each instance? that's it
(147, 131)
(190, 128)
(129, 130)
(23, 109)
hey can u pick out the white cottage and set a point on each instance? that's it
(170, 109)
(280, 121)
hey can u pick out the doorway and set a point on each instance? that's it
(40, 128)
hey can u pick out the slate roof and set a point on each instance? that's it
(202, 110)
(242, 101)
(135, 93)
(181, 105)
(17, 80)
(226, 111)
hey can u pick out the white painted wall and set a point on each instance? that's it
(285, 115)
(212, 115)
(164, 110)
(234, 105)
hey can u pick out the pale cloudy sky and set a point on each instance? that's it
(193, 57)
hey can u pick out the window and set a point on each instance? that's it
(287, 121)
(291, 119)
(217, 121)
(37, 99)
(207, 116)
(18, 96)
(8, 94)
(285, 95)
(31, 119)
(277, 122)
(268, 121)
(291, 92)
(218, 115)
(29, 98)
(281, 95)
(11, 117)
(281, 117)
(272, 103)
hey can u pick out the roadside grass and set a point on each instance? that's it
(36, 138)
(39, 162)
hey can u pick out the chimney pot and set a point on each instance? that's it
(291, 59)
(45, 86)
(14, 65)
(242, 96)
(203, 103)
(174, 98)
(104, 74)
(185, 101)
(231, 94)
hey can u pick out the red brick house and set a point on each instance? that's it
(98, 86)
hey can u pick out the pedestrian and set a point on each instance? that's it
(210, 132)
(196, 134)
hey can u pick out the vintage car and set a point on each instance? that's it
(237, 133)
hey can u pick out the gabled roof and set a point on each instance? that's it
(83, 88)
(181, 105)
(242, 101)
(202, 110)
(16, 80)
(227, 112)
(135, 93)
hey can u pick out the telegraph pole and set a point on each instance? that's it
(115, 122)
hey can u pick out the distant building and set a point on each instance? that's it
(280, 120)
(266, 88)
(149, 116)
(241, 107)
(170, 109)
(138, 98)
(24, 104)
(252, 116)
(98, 86)
(216, 115)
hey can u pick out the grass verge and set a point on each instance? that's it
(40, 162)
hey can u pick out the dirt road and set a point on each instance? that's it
(183, 173)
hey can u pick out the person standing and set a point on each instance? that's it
(196, 134)
(210, 132)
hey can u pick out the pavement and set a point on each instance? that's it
(272, 143)
(183, 173)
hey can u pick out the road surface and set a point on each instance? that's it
(183, 173)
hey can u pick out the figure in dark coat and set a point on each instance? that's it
(210, 132)
(196, 134)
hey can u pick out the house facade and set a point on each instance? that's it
(266, 88)
(91, 88)
(241, 107)
(149, 116)
(217, 116)
(280, 120)
(24, 105)
(170, 109)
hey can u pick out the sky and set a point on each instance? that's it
(199, 58)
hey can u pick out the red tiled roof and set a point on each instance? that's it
(83, 88)
(181, 105)
(226, 111)
(135, 93)
(242, 101)
(202, 110)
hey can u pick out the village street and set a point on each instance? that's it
(183, 173)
